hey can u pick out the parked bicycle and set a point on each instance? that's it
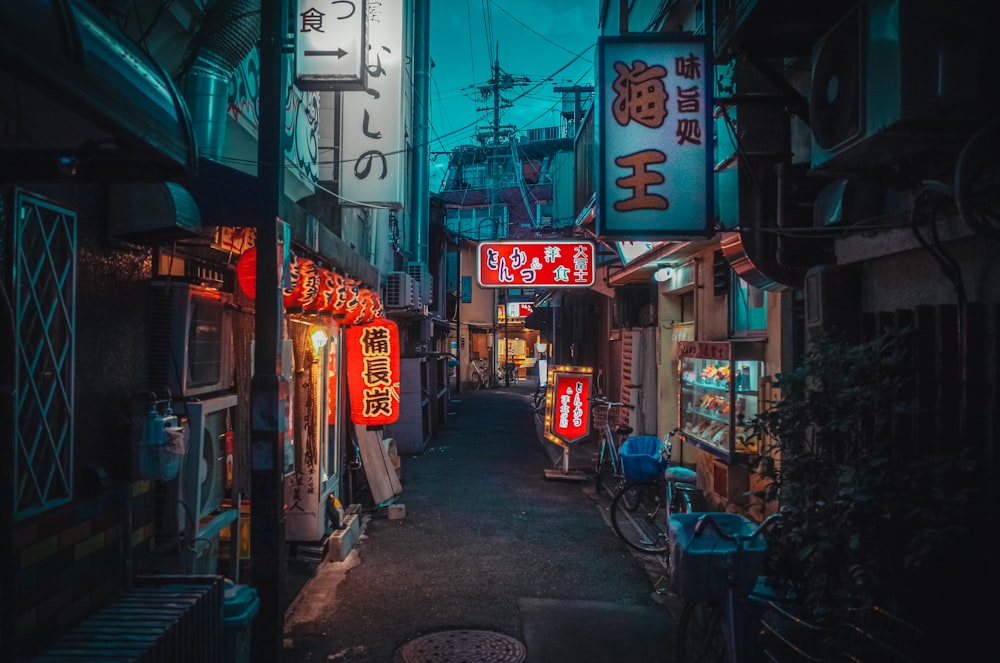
(509, 373)
(655, 489)
(481, 374)
(733, 616)
(715, 562)
(610, 474)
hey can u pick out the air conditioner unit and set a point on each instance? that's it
(893, 78)
(399, 290)
(423, 282)
(202, 476)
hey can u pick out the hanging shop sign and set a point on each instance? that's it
(557, 264)
(373, 372)
(330, 42)
(567, 404)
(373, 156)
(655, 137)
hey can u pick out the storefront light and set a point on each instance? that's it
(319, 339)
(663, 274)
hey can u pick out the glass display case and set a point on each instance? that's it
(719, 394)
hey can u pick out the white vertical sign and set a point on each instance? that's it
(372, 164)
(655, 137)
(330, 44)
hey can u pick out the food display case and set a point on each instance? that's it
(720, 394)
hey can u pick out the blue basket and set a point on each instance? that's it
(641, 458)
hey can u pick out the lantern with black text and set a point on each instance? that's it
(324, 293)
(373, 372)
(303, 286)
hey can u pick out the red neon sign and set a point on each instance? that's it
(567, 413)
(536, 264)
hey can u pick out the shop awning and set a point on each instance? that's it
(81, 100)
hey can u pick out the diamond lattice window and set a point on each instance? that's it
(44, 303)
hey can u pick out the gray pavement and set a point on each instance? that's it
(492, 562)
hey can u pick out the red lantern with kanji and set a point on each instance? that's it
(348, 300)
(324, 293)
(373, 372)
(303, 284)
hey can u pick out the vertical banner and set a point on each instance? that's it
(373, 372)
(330, 42)
(567, 404)
(655, 137)
(374, 146)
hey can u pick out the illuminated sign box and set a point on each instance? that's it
(330, 45)
(567, 404)
(534, 263)
(655, 99)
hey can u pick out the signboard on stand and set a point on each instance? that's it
(567, 411)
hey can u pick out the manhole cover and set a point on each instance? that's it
(463, 646)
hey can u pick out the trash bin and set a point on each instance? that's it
(241, 605)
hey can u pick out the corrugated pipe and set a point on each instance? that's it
(227, 34)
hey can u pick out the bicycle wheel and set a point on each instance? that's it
(699, 633)
(610, 476)
(637, 516)
(477, 381)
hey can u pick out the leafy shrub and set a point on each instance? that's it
(866, 522)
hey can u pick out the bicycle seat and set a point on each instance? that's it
(624, 430)
(679, 474)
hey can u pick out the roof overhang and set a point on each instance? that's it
(642, 268)
(83, 101)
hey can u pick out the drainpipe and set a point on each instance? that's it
(420, 182)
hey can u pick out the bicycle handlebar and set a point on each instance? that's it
(706, 519)
(600, 400)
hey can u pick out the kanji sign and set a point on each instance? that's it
(372, 160)
(373, 372)
(567, 404)
(556, 264)
(655, 135)
(330, 43)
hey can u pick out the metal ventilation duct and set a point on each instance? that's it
(228, 33)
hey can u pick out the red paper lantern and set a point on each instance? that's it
(348, 300)
(304, 284)
(246, 272)
(324, 293)
(373, 372)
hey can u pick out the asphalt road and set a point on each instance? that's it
(493, 561)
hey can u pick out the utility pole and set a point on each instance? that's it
(267, 531)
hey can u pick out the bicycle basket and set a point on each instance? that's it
(702, 565)
(599, 416)
(641, 458)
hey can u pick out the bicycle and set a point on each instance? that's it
(609, 470)
(638, 515)
(715, 559)
(482, 376)
(733, 616)
(509, 374)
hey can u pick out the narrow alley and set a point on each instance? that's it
(492, 562)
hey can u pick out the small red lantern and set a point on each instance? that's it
(304, 284)
(324, 292)
(246, 272)
(373, 372)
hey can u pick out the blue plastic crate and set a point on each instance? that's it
(641, 458)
